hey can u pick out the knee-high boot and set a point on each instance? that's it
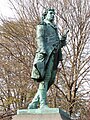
(43, 95)
(35, 101)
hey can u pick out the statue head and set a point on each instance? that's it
(48, 14)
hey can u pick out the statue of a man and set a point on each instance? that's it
(47, 57)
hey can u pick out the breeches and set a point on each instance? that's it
(49, 74)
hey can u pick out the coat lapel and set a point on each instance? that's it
(51, 24)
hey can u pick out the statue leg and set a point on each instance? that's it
(35, 101)
(43, 86)
(43, 95)
(52, 78)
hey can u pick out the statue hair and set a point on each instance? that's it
(45, 13)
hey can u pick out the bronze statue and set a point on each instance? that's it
(47, 57)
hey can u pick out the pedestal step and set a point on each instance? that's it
(41, 114)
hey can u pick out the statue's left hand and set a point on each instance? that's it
(65, 33)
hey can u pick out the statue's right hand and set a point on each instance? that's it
(41, 56)
(43, 51)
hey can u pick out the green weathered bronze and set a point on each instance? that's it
(47, 57)
(41, 114)
(48, 111)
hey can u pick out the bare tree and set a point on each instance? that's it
(75, 66)
(18, 46)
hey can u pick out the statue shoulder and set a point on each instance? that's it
(43, 23)
(41, 26)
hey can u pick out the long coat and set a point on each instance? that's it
(47, 41)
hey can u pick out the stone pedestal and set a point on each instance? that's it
(41, 114)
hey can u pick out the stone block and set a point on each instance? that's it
(41, 114)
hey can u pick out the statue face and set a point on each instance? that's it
(50, 16)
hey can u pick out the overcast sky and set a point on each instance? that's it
(5, 9)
